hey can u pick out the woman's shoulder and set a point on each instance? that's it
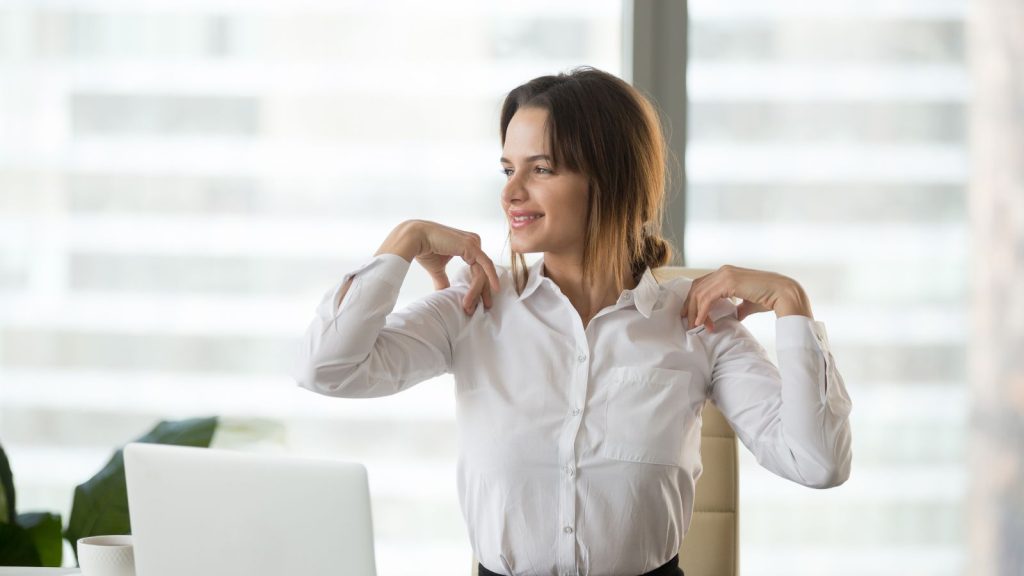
(677, 285)
(678, 288)
(463, 277)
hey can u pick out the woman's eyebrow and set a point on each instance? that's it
(529, 159)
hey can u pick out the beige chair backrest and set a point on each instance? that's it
(711, 546)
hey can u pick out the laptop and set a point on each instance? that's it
(208, 512)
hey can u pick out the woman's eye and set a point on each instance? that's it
(538, 169)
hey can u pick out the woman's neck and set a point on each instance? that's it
(587, 298)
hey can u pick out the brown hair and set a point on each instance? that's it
(603, 128)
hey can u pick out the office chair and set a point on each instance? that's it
(711, 546)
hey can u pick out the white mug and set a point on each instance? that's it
(106, 556)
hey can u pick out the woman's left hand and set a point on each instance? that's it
(760, 291)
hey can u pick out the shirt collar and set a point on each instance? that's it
(644, 296)
(533, 278)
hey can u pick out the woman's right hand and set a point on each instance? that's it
(433, 245)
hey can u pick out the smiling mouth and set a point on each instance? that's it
(523, 221)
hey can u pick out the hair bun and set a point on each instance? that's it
(656, 252)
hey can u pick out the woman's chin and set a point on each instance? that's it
(525, 248)
(524, 242)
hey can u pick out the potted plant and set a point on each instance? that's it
(100, 505)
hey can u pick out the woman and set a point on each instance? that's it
(578, 387)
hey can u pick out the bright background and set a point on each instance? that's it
(181, 181)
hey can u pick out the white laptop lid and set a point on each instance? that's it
(206, 512)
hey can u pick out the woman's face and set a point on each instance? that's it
(546, 209)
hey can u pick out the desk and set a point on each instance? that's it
(14, 571)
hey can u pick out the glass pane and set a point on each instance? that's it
(179, 185)
(827, 142)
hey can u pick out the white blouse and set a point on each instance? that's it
(579, 448)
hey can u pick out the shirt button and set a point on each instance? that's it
(567, 529)
(582, 358)
(569, 470)
(575, 411)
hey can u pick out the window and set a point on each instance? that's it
(827, 142)
(179, 185)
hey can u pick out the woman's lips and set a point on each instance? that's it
(524, 220)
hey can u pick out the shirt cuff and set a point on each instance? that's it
(388, 268)
(796, 331)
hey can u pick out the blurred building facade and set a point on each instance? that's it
(828, 142)
(180, 183)
(996, 500)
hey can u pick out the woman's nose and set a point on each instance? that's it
(513, 190)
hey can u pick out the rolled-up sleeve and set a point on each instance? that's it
(794, 418)
(360, 347)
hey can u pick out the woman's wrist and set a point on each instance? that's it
(405, 241)
(793, 301)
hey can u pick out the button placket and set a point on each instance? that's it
(566, 547)
(567, 453)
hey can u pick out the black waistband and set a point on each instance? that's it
(670, 568)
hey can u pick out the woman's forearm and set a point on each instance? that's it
(404, 241)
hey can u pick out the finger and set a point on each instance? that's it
(476, 285)
(743, 310)
(698, 318)
(691, 311)
(480, 285)
(480, 288)
(488, 299)
(471, 251)
(492, 273)
(469, 304)
(690, 302)
(718, 290)
(746, 308)
(697, 297)
(708, 296)
(685, 312)
(470, 297)
(703, 309)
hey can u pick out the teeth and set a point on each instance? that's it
(525, 218)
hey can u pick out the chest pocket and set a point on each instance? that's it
(645, 415)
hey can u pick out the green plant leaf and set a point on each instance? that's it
(45, 530)
(100, 505)
(17, 547)
(6, 490)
